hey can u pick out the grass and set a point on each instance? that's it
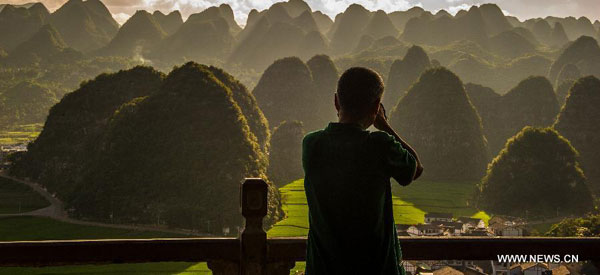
(410, 204)
(18, 198)
(125, 269)
(20, 134)
(40, 228)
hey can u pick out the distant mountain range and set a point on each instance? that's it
(289, 28)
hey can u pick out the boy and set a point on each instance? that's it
(347, 181)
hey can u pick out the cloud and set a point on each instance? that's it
(121, 17)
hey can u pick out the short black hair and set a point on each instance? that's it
(358, 88)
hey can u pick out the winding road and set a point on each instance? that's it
(56, 211)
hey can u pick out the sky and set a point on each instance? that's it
(523, 9)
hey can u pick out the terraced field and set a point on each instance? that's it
(410, 204)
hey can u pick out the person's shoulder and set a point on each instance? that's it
(381, 137)
(312, 136)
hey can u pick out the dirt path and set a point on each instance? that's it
(56, 211)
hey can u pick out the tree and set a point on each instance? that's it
(437, 118)
(285, 157)
(25, 103)
(257, 122)
(587, 226)
(285, 92)
(533, 160)
(404, 73)
(579, 121)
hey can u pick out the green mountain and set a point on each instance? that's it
(380, 26)
(325, 76)
(582, 50)
(403, 74)
(531, 103)
(274, 36)
(486, 101)
(494, 18)
(285, 154)
(18, 24)
(445, 30)
(574, 27)
(170, 23)
(285, 91)
(189, 146)
(136, 147)
(535, 159)
(343, 33)
(85, 25)
(399, 18)
(58, 158)
(223, 11)
(439, 121)
(542, 30)
(511, 44)
(527, 34)
(558, 38)
(201, 38)
(45, 46)
(323, 21)
(568, 72)
(578, 121)
(140, 34)
(306, 22)
(25, 103)
(245, 100)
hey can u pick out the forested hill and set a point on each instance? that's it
(137, 146)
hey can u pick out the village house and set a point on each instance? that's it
(451, 228)
(425, 230)
(433, 216)
(472, 223)
(529, 269)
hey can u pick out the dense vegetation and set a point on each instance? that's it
(403, 74)
(587, 226)
(282, 65)
(437, 118)
(579, 122)
(285, 157)
(136, 121)
(535, 159)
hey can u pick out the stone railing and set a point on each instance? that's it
(254, 253)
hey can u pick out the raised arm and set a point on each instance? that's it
(382, 124)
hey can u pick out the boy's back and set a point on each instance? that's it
(347, 172)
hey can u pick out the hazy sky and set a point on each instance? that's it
(523, 9)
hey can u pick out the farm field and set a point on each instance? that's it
(18, 198)
(20, 134)
(410, 204)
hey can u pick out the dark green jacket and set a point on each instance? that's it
(347, 183)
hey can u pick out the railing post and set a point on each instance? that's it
(253, 243)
